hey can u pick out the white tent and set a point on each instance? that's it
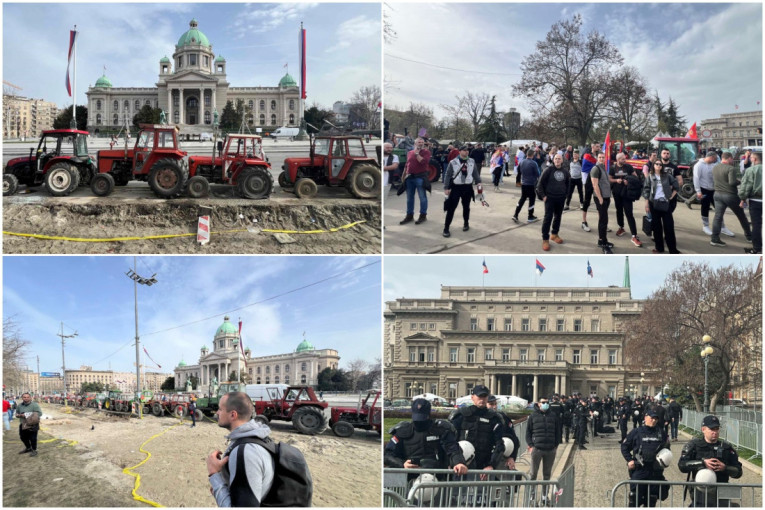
(433, 399)
(502, 401)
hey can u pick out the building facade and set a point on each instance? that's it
(734, 129)
(528, 342)
(27, 118)
(299, 367)
(191, 88)
(124, 381)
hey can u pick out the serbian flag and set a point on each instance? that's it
(607, 150)
(72, 37)
(540, 268)
(241, 347)
(147, 354)
(588, 162)
(485, 268)
(589, 270)
(692, 132)
(302, 50)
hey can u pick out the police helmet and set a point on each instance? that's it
(664, 457)
(426, 494)
(706, 476)
(595, 413)
(636, 412)
(468, 451)
(509, 446)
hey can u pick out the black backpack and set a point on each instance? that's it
(292, 485)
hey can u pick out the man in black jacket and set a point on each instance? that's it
(543, 431)
(482, 427)
(508, 431)
(640, 450)
(674, 414)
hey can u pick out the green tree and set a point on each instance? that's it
(92, 386)
(229, 118)
(168, 385)
(65, 118)
(491, 130)
(316, 115)
(676, 123)
(146, 115)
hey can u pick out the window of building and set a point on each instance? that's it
(594, 325)
(126, 105)
(558, 354)
(276, 379)
(452, 390)
(116, 105)
(286, 368)
(577, 357)
(431, 354)
(473, 307)
(258, 369)
(276, 369)
(98, 104)
(286, 378)
(292, 118)
(488, 354)
(577, 325)
(595, 308)
(249, 371)
(251, 104)
(176, 116)
(506, 354)
(560, 325)
(542, 324)
(193, 59)
(490, 324)
(525, 324)
(423, 326)
(524, 354)
(208, 120)
(432, 326)
(116, 120)
(292, 104)
(208, 100)
(137, 104)
(207, 61)
(180, 61)
(258, 381)
(98, 119)
(262, 104)
(473, 324)
(577, 308)
(540, 354)
(508, 324)
(303, 366)
(268, 370)
(302, 379)
(262, 120)
(612, 356)
(593, 356)
(421, 355)
(273, 120)
(508, 308)
(560, 308)
(453, 355)
(471, 355)
(273, 105)
(525, 308)
(413, 326)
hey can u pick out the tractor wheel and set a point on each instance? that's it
(342, 429)
(199, 415)
(197, 187)
(156, 409)
(305, 188)
(687, 191)
(284, 182)
(102, 185)
(433, 172)
(122, 178)
(309, 420)
(255, 182)
(107, 405)
(167, 178)
(261, 418)
(61, 180)
(10, 184)
(180, 411)
(364, 181)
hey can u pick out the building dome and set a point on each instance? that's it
(304, 346)
(103, 81)
(220, 58)
(164, 60)
(226, 328)
(193, 37)
(182, 364)
(287, 81)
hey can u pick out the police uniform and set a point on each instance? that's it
(568, 415)
(581, 416)
(641, 445)
(597, 405)
(623, 417)
(697, 450)
(637, 414)
(508, 430)
(482, 427)
(556, 407)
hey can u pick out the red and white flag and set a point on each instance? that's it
(72, 37)
(302, 50)
(692, 132)
(147, 354)
(241, 347)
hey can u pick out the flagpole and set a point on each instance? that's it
(74, 83)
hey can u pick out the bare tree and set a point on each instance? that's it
(366, 100)
(389, 34)
(355, 372)
(630, 103)
(473, 106)
(569, 75)
(697, 300)
(14, 352)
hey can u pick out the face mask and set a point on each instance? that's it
(463, 158)
(544, 407)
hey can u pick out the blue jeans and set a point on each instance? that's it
(412, 184)
(673, 427)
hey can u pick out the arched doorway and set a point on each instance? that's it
(192, 110)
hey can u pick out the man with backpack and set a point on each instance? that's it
(253, 471)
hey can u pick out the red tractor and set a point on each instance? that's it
(61, 162)
(366, 415)
(683, 152)
(241, 162)
(333, 161)
(156, 158)
(297, 404)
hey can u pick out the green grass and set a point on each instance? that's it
(743, 453)
(389, 423)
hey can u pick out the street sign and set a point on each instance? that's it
(50, 374)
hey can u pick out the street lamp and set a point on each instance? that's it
(133, 275)
(63, 360)
(706, 352)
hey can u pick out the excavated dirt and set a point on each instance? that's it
(236, 226)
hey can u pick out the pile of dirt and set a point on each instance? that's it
(346, 472)
(237, 227)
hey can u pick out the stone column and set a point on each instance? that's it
(491, 384)
(514, 388)
(169, 105)
(557, 384)
(536, 393)
(180, 106)
(563, 385)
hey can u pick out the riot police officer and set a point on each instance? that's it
(640, 450)
(596, 409)
(608, 408)
(569, 405)
(481, 427)
(711, 453)
(556, 407)
(637, 413)
(423, 442)
(623, 417)
(508, 431)
(581, 417)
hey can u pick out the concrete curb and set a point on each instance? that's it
(562, 459)
(748, 465)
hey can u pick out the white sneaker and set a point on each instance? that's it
(707, 230)
(586, 227)
(724, 230)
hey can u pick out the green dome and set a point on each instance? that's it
(182, 364)
(164, 60)
(287, 81)
(226, 328)
(193, 36)
(304, 346)
(220, 58)
(104, 82)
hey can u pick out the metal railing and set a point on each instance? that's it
(739, 413)
(742, 434)
(632, 493)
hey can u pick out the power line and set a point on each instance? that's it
(451, 68)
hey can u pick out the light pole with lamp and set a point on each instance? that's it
(63, 360)
(642, 380)
(706, 352)
(133, 275)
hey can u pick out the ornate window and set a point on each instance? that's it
(273, 120)
(98, 119)
(137, 104)
(116, 120)
(208, 99)
(262, 104)
(273, 105)
(302, 380)
(276, 379)
(286, 368)
(116, 105)
(292, 104)
(176, 119)
(303, 366)
(207, 117)
(147, 102)
(276, 369)
(262, 120)
(251, 104)
(126, 104)
(98, 104)
(292, 118)
(193, 59)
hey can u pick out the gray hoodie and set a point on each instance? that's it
(259, 464)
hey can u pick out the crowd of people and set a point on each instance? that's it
(479, 437)
(552, 175)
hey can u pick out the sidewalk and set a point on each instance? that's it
(492, 230)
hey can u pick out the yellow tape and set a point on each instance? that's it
(128, 470)
(170, 236)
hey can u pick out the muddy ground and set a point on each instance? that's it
(237, 225)
(346, 472)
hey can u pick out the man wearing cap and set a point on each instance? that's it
(623, 417)
(640, 450)
(709, 452)
(482, 427)
(751, 190)
(543, 433)
(424, 443)
(508, 431)
(460, 175)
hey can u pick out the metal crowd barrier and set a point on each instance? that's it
(739, 433)
(669, 494)
(499, 489)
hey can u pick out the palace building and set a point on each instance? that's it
(191, 87)
(525, 341)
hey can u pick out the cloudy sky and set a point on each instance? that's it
(257, 40)
(707, 57)
(180, 314)
(421, 276)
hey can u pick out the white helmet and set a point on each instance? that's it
(636, 412)
(509, 446)
(664, 457)
(706, 476)
(426, 494)
(468, 451)
(595, 413)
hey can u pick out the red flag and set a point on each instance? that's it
(241, 347)
(607, 150)
(72, 36)
(692, 132)
(147, 354)
(302, 49)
